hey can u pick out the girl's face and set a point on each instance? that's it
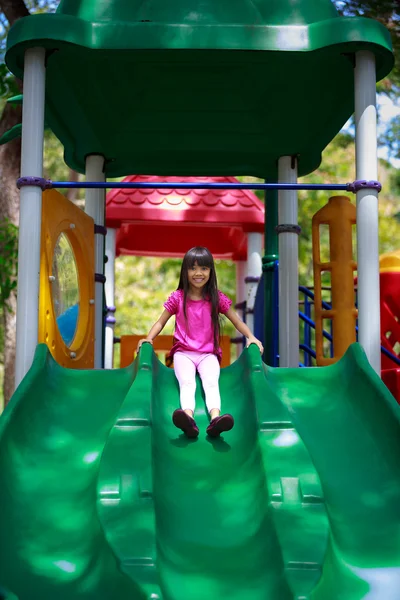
(198, 276)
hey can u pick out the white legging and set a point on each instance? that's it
(207, 365)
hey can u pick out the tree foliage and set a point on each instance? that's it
(8, 259)
(338, 166)
(391, 138)
(386, 12)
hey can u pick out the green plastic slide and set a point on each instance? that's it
(101, 497)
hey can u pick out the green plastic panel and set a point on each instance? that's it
(198, 87)
(101, 497)
(11, 134)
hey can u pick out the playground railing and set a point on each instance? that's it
(308, 328)
(306, 345)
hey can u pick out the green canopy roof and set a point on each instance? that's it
(198, 87)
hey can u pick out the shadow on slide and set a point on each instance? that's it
(101, 497)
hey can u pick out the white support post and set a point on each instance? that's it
(240, 293)
(254, 270)
(30, 220)
(288, 267)
(367, 209)
(110, 297)
(95, 208)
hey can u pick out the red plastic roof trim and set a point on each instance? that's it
(168, 222)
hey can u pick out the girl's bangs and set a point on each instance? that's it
(203, 259)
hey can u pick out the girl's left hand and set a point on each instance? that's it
(253, 340)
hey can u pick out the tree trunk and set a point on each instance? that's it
(10, 322)
(10, 167)
(13, 10)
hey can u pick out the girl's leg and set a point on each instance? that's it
(209, 371)
(185, 371)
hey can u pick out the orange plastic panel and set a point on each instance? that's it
(59, 215)
(163, 343)
(340, 215)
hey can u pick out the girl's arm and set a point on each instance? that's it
(156, 329)
(243, 329)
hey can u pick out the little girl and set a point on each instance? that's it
(196, 305)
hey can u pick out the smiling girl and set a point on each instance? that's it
(196, 304)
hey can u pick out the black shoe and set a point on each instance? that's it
(220, 424)
(183, 421)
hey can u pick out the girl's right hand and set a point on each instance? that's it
(142, 342)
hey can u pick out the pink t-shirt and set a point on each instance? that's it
(197, 335)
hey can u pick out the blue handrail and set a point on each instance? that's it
(311, 324)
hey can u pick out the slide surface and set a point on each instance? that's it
(101, 497)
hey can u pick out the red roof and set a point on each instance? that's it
(167, 222)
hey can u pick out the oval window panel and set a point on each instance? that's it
(65, 289)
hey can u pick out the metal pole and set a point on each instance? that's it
(177, 185)
(110, 297)
(254, 270)
(367, 209)
(30, 221)
(269, 262)
(288, 267)
(95, 208)
(240, 293)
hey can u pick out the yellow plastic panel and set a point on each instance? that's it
(390, 262)
(60, 216)
(340, 215)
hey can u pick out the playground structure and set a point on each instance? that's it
(100, 498)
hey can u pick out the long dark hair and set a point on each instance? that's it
(204, 258)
